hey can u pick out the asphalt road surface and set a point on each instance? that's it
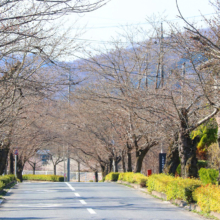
(35, 200)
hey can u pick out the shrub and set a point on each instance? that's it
(112, 176)
(134, 178)
(1, 185)
(202, 164)
(6, 179)
(182, 189)
(121, 176)
(174, 188)
(52, 178)
(208, 197)
(140, 179)
(178, 170)
(159, 182)
(208, 175)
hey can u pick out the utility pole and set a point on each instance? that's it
(183, 74)
(64, 165)
(16, 155)
(160, 67)
(161, 56)
(78, 171)
(68, 153)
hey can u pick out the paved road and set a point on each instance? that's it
(86, 201)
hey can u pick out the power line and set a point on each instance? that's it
(136, 24)
(111, 42)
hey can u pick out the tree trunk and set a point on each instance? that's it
(104, 169)
(116, 161)
(3, 158)
(129, 165)
(11, 164)
(34, 168)
(187, 149)
(110, 164)
(20, 166)
(139, 161)
(172, 157)
(123, 163)
(96, 176)
(54, 169)
(219, 162)
(6, 167)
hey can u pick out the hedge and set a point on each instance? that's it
(6, 179)
(208, 198)
(112, 176)
(182, 189)
(159, 182)
(134, 178)
(208, 175)
(174, 188)
(52, 178)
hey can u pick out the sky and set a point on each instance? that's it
(105, 22)
(102, 25)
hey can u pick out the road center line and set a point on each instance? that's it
(70, 186)
(83, 202)
(91, 211)
(77, 194)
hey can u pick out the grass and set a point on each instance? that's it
(126, 185)
(205, 214)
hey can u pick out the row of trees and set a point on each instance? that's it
(151, 89)
(155, 90)
(32, 42)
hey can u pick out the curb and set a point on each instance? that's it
(217, 215)
(180, 203)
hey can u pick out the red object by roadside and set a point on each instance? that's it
(149, 172)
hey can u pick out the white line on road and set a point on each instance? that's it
(77, 194)
(70, 186)
(91, 211)
(83, 202)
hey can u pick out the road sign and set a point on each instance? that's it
(162, 160)
(16, 152)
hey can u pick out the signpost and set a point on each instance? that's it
(162, 160)
(16, 154)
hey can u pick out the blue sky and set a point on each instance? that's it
(104, 22)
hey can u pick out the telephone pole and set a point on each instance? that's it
(161, 56)
(68, 153)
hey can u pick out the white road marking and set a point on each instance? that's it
(83, 202)
(77, 194)
(91, 211)
(70, 186)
